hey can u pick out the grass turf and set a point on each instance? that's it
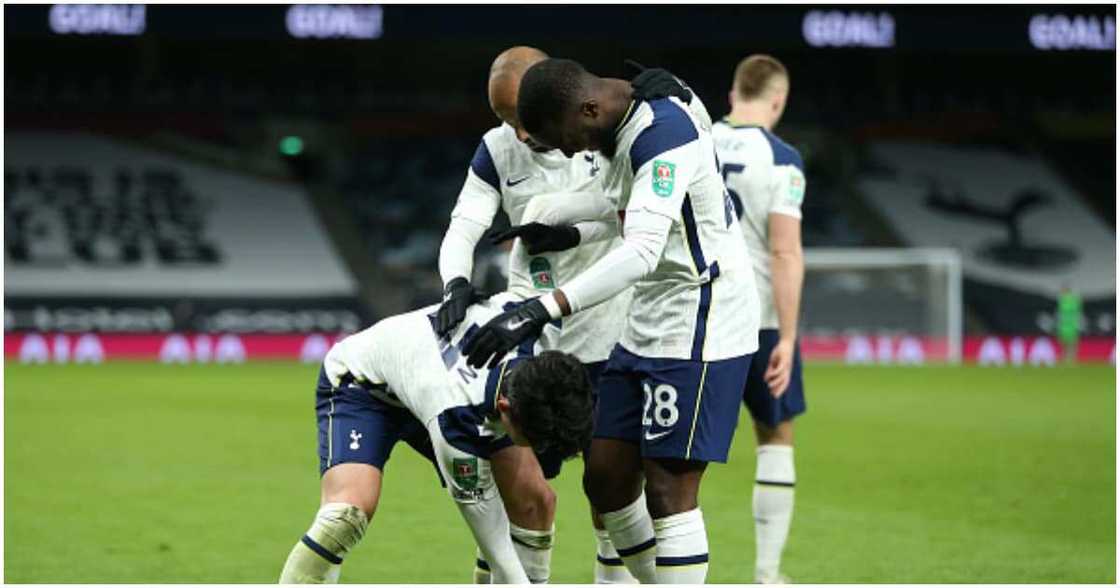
(150, 473)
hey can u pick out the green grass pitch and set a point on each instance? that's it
(149, 473)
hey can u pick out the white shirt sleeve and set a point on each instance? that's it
(592, 231)
(787, 191)
(591, 214)
(481, 506)
(656, 197)
(473, 214)
(567, 208)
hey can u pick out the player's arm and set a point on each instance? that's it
(656, 198)
(489, 524)
(471, 485)
(474, 212)
(589, 213)
(561, 221)
(593, 231)
(787, 270)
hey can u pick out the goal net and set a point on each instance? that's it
(871, 305)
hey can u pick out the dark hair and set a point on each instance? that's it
(550, 402)
(547, 89)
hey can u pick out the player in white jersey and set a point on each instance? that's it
(765, 177)
(511, 173)
(400, 381)
(668, 401)
(563, 221)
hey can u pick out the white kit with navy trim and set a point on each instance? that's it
(700, 301)
(406, 364)
(508, 174)
(764, 176)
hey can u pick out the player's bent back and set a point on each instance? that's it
(399, 381)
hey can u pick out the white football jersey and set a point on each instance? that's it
(765, 176)
(700, 301)
(505, 172)
(407, 364)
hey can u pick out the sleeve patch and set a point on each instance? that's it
(796, 189)
(670, 129)
(664, 176)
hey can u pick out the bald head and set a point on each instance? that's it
(505, 78)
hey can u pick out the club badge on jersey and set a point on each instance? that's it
(590, 158)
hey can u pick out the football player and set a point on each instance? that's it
(668, 398)
(766, 180)
(401, 381)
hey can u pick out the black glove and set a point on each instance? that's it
(540, 238)
(651, 84)
(504, 332)
(457, 297)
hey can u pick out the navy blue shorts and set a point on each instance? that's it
(357, 427)
(551, 462)
(673, 408)
(765, 408)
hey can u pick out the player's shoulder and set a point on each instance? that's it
(500, 138)
(495, 150)
(501, 143)
(662, 111)
(784, 153)
(656, 126)
(752, 137)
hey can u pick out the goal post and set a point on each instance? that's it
(884, 298)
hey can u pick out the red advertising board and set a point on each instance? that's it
(230, 348)
(987, 350)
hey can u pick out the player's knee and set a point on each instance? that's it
(593, 486)
(663, 500)
(366, 502)
(609, 491)
(672, 487)
(547, 503)
(612, 474)
(351, 483)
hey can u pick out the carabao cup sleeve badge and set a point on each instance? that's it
(541, 271)
(465, 472)
(664, 174)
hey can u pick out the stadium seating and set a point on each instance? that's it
(1023, 231)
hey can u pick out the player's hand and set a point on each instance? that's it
(457, 297)
(540, 238)
(779, 368)
(654, 83)
(504, 332)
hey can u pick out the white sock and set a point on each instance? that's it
(481, 568)
(534, 549)
(609, 568)
(682, 548)
(317, 557)
(631, 531)
(773, 508)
